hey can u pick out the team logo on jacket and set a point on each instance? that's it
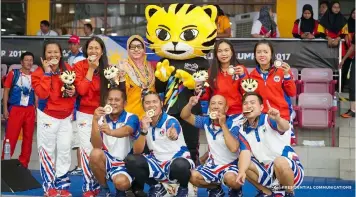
(161, 132)
(46, 125)
(277, 78)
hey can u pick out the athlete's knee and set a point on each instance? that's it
(230, 180)
(96, 156)
(281, 164)
(121, 182)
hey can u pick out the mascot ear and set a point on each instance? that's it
(150, 10)
(211, 11)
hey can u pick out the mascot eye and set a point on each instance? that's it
(66, 78)
(163, 34)
(189, 34)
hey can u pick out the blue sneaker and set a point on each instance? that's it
(182, 192)
(216, 192)
(104, 192)
(157, 190)
(235, 192)
(120, 193)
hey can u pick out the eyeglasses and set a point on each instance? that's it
(133, 47)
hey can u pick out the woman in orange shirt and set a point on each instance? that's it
(223, 24)
(92, 88)
(139, 75)
(54, 126)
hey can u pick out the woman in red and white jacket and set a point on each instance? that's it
(275, 84)
(91, 86)
(221, 81)
(54, 127)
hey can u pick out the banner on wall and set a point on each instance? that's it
(298, 53)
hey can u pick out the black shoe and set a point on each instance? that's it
(348, 114)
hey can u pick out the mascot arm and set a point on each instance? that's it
(206, 96)
(186, 78)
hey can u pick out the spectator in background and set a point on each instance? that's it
(19, 108)
(333, 25)
(223, 24)
(306, 27)
(323, 7)
(346, 66)
(351, 112)
(45, 31)
(64, 31)
(75, 55)
(265, 26)
(88, 30)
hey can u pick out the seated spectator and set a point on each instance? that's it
(323, 7)
(306, 27)
(223, 24)
(265, 26)
(45, 31)
(19, 108)
(88, 30)
(333, 25)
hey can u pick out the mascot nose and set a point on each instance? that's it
(175, 43)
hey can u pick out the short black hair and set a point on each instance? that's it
(123, 93)
(45, 22)
(27, 54)
(89, 26)
(259, 97)
(146, 93)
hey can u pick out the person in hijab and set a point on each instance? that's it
(306, 27)
(137, 76)
(223, 24)
(347, 45)
(323, 7)
(265, 26)
(333, 25)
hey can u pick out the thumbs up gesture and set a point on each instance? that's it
(172, 133)
(272, 112)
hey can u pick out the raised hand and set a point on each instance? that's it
(272, 112)
(146, 122)
(172, 133)
(194, 100)
(46, 65)
(285, 68)
(239, 70)
(94, 63)
(164, 70)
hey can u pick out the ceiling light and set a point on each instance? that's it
(58, 5)
(102, 29)
(3, 29)
(71, 11)
(87, 20)
(9, 19)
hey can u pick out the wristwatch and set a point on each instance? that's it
(143, 132)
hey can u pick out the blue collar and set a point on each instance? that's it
(79, 54)
(121, 118)
(261, 121)
(161, 120)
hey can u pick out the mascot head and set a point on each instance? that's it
(184, 31)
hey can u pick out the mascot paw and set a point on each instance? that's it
(186, 78)
(164, 70)
(62, 89)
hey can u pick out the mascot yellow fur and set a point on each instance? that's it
(181, 35)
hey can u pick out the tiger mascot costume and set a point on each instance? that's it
(181, 35)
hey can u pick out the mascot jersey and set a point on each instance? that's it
(181, 34)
